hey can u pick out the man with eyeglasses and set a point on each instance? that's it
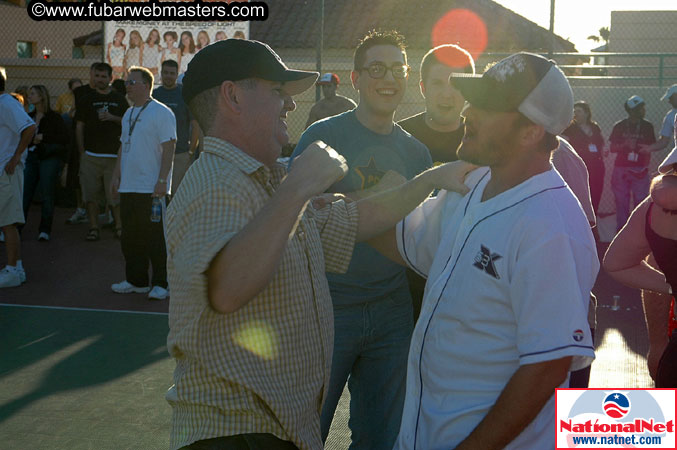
(143, 172)
(372, 306)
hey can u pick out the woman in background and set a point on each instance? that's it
(202, 40)
(187, 47)
(46, 155)
(586, 138)
(171, 52)
(23, 92)
(152, 52)
(134, 55)
(652, 229)
(115, 54)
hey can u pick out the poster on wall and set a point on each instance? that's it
(149, 43)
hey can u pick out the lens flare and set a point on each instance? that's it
(463, 28)
(259, 338)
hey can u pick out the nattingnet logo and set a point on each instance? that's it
(615, 418)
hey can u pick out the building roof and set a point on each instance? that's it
(294, 24)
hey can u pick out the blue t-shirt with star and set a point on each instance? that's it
(369, 156)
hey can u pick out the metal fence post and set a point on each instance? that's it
(661, 61)
(320, 44)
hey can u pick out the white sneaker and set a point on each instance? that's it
(43, 236)
(158, 293)
(10, 277)
(125, 287)
(79, 216)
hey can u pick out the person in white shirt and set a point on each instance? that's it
(665, 136)
(143, 172)
(16, 133)
(510, 267)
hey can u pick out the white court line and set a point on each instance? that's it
(85, 309)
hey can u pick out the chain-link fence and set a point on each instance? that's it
(604, 80)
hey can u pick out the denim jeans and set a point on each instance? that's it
(371, 344)
(624, 182)
(44, 173)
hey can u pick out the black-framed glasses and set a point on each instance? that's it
(379, 70)
(132, 82)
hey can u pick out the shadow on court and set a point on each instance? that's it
(94, 378)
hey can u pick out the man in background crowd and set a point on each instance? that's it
(372, 306)
(440, 126)
(631, 140)
(142, 173)
(332, 104)
(97, 132)
(16, 133)
(72, 167)
(65, 104)
(187, 129)
(665, 136)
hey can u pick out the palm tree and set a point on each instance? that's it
(604, 34)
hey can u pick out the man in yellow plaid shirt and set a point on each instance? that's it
(251, 324)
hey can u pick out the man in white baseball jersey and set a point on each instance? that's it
(509, 267)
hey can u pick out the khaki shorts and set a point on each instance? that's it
(95, 175)
(11, 197)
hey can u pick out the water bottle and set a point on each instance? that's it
(156, 210)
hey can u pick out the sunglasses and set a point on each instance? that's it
(379, 70)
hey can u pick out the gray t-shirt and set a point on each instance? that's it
(369, 156)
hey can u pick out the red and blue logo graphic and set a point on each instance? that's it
(578, 335)
(616, 405)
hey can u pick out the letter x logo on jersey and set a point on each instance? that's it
(484, 260)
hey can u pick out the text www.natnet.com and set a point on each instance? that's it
(616, 440)
(151, 10)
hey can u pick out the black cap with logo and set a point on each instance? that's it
(238, 59)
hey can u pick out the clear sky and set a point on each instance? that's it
(577, 19)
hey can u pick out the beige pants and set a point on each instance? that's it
(11, 196)
(95, 176)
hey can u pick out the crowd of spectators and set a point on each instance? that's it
(239, 245)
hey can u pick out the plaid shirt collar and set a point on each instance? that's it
(244, 162)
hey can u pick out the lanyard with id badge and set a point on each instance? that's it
(128, 144)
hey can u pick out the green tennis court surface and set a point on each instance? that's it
(76, 379)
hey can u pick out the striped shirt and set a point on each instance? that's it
(265, 367)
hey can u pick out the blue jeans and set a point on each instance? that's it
(624, 182)
(371, 344)
(43, 173)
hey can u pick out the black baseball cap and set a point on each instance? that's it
(524, 82)
(238, 59)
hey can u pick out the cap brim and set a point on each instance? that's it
(297, 81)
(669, 161)
(479, 92)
